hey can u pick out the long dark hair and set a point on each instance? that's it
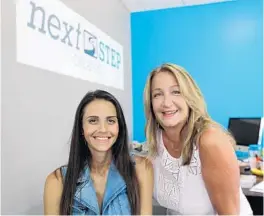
(80, 155)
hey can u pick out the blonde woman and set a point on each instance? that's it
(195, 167)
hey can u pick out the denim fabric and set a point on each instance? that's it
(115, 200)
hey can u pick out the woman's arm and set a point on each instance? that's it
(220, 171)
(144, 172)
(52, 193)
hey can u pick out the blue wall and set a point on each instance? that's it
(220, 44)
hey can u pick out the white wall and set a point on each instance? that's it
(38, 107)
(0, 86)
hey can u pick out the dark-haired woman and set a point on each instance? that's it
(101, 178)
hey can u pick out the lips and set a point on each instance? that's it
(169, 113)
(101, 138)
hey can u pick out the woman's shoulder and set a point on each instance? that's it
(143, 166)
(142, 161)
(215, 141)
(54, 178)
(212, 136)
(52, 192)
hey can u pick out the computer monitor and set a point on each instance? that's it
(246, 131)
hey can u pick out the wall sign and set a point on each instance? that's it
(53, 37)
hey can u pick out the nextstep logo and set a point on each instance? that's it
(90, 46)
(56, 29)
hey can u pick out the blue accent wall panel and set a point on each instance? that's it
(220, 44)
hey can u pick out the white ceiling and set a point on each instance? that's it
(143, 5)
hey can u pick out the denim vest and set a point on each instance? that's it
(115, 201)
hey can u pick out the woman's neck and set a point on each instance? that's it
(175, 136)
(101, 162)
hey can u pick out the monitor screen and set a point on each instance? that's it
(246, 131)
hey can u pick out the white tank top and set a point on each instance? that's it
(181, 189)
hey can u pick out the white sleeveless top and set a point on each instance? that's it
(181, 189)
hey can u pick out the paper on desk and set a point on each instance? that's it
(258, 187)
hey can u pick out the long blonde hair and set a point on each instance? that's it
(198, 120)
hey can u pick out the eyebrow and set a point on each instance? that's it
(93, 116)
(169, 87)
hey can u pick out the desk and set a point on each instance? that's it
(255, 199)
(247, 191)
